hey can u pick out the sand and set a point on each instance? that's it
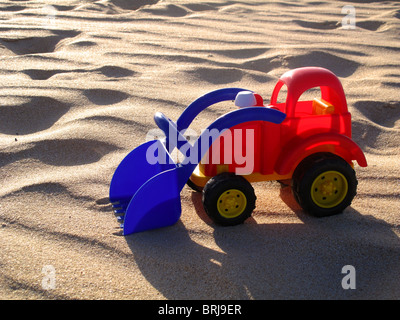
(80, 83)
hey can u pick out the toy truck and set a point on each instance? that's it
(305, 142)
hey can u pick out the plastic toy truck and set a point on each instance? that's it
(307, 142)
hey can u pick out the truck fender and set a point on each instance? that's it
(334, 143)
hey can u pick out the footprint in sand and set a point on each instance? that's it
(383, 113)
(105, 96)
(109, 71)
(318, 25)
(169, 10)
(371, 25)
(21, 45)
(216, 76)
(242, 53)
(61, 152)
(26, 117)
(132, 5)
(340, 66)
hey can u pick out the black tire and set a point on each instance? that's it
(194, 186)
(231, 193)
(324, 185)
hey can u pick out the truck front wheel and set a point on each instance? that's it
(228, 199)
(324, 186)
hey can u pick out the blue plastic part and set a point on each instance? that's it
(133, 172)
(156, 204)
(204, 102)
(170, 129)
(149, 191)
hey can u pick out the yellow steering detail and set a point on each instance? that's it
(329, 189)
(231, 203)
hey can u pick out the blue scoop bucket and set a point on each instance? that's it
(145, 189)
(139, 194)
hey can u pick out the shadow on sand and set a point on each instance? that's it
(273, 261)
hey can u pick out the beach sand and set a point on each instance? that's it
(80, 83)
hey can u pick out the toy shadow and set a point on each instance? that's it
(272, 261)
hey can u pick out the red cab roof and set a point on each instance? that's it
(300, 80)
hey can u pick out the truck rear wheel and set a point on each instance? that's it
(324, 186)
(228, 199)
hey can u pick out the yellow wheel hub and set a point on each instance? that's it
(231, 203)
(329, 189)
